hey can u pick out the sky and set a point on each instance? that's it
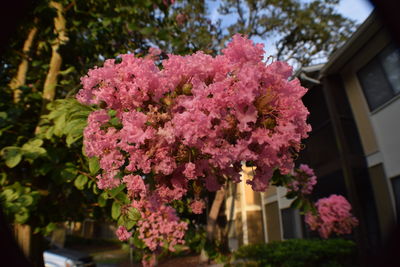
(357, 10)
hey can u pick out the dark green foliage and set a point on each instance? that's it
(299, 253)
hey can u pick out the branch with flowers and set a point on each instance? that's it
(163, 130)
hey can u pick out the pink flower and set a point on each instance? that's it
(190, 170)
(333, 216)
(135, 185)
(304, 180)
(197, 206)
(123, 234)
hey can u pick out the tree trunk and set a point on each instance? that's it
(212, 220)
(20, 78)
(213, 215)
(31, 244)
(49, 88)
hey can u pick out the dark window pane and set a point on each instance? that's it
(390, 58)
(291, 223)
(396, 191)
(375, 84)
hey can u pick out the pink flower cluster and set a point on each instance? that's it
(123, 234)
(159, 225)
(303, 181)
(197, 206)
(192, 122)
(333, 216)
(198, 115)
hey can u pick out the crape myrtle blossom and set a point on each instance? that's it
(123, 234)
(303, 181)
(333, 216)
(190, 124)
(197, 206)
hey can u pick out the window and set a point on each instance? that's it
(396, 191)
(380, 78)
(291, 223)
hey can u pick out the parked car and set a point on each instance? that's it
(62, 257)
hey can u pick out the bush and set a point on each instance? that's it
(298, 253)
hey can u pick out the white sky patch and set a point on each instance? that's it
(214, 15)
(358, 10)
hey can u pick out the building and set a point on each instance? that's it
(354, 148)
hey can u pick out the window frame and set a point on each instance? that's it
(376, 59)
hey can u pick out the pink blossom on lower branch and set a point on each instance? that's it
(197, 206)
(159, 225)
(304, 180)
(123, 234)
(333, 216)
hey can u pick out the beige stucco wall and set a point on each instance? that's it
(379, 130)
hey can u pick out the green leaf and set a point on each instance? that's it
(26, 200)
(68, 172)
(147, 31)
(65, 72)
(115, 191)
(94, 165)
(95, 189)
(22, 216)
(137, 241)
(32, 149)
(115, 210)
(9, 195)
(50, 228)
(115, 122)
(129, 224)
(12, 155)
(59, 124)
(133, 214)
(122, 196)
(112, 113)
(49, 132)
(80, 181)
(102, 199)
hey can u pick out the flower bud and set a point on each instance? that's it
(187, 89)
(269, 123)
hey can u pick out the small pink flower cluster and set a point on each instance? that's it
(303, 181)
(197, 206)
(192, 122)
(333, 216)
(159, 225)
(123, 234)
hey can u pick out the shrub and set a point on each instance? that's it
(298, 253)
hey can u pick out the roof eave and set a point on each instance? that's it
(364, 33)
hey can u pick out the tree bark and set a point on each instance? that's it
(31, 244)
(213, 215)
(49, 88)
(20, 78)
(212, 220)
